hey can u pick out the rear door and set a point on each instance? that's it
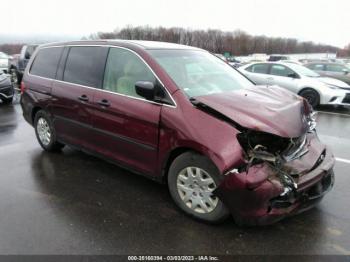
(126, 125)
(79, 75)
(258, 73)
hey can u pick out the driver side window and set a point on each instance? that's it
(280, 70)
(335, 68)
(123, 70)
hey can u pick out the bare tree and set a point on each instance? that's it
(237, 42)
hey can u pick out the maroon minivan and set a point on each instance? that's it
(179, 115)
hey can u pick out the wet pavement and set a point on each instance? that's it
(73, 203)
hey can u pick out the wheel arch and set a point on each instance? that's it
(35, 110)
(172, 155)
(309, 87)
(320, 96)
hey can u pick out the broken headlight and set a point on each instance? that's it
(262, 142)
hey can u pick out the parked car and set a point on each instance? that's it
(300, 80)
(179, 115)
(233, 62)
(275, 58)
(6, 89)
(339, 71)
(4, 62)
(19, 62)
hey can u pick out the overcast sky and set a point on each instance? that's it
(324, 21)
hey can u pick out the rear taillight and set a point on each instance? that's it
(23, 87)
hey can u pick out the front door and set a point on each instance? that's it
(284, 77)
(126, 124)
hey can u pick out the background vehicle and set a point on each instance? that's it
(6, 89)
(275, 58)
(300, 80)
(4, 62)
(19, 62)
(336, 70)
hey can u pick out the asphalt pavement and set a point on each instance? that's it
(73, 203)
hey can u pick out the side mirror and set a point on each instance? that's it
(293, 75)
(145, 89)
(345, 71)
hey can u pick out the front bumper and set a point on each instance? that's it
(342, 98)
(255, 197)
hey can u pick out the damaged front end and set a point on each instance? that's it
(280, 176)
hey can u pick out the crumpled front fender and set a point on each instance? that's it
(247, 194)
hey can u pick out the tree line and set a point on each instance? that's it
(237, 43)
(11, 48)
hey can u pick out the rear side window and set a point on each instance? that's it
(46, 61)
(317, 67)
(258, 68)
(85, 65)
(335, 68)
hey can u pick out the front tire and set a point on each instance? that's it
(191, 180)
(311, 96)
(7, 101)
(45, 132)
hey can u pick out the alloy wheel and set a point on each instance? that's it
(44, 131)
(195, 187)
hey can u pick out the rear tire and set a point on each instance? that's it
(45, 132)
(191, 179)
(311, 96)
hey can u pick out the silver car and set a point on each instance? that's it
(300, 80)
(339, 71)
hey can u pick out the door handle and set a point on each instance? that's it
(269, 78)
(104, 102)
(83, 98)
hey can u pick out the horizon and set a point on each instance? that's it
(319, 21)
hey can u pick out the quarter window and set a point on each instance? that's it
(280, 70)
(316, 67)
(46, 61)
(123, 70)
(85, 65)
(258, 68)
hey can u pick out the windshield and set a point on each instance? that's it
(199, 73)
(302, 70)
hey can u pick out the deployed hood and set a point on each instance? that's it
(333, 82)
(269, 109)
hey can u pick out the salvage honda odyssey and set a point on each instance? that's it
(179, 115)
